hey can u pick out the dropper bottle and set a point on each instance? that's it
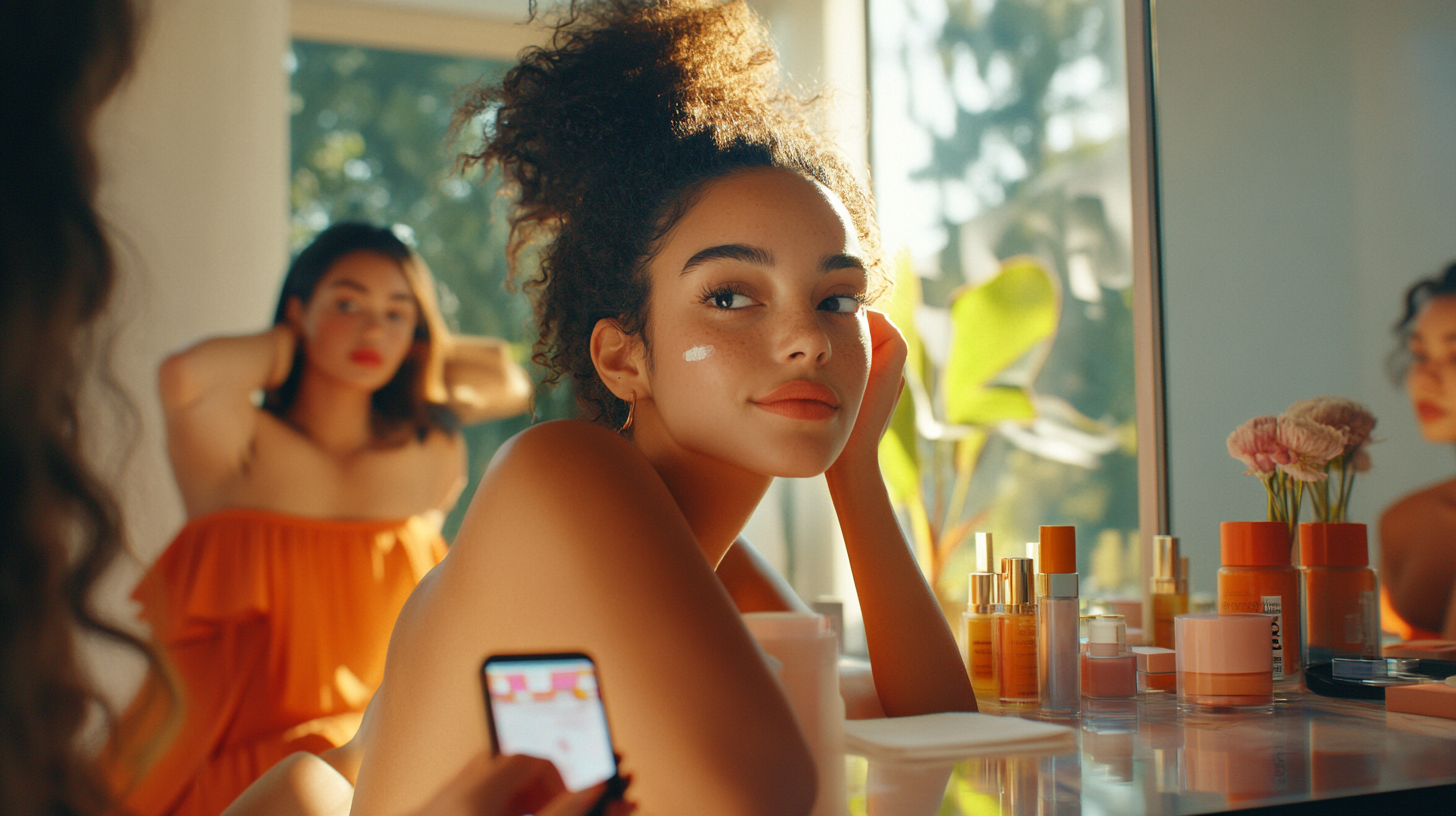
(1167, 601)
(977, 622)
(1014, 637)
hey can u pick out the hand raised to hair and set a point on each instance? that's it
(887, 365)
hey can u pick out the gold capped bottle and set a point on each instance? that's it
(1169, 594)
(1014, 637)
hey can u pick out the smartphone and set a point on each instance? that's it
(550, 706)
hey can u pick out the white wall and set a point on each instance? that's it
(194, 154)
(1307, 152)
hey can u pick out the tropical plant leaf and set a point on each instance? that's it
(995, 325)
(988, 406)
(899, 463)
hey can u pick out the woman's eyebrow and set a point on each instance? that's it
(729, 252)
(841, 261)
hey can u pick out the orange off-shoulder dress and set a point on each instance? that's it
(276, 628)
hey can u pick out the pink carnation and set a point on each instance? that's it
(1351, 418)
(1256, 444)
(1311, 445)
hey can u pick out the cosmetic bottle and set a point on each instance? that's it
(1013, 637)
(1168, 602)
(1224, 662)
(1257, 578)
(1339, 594)
(1057, 623)
(976, 624)
(1109, 682)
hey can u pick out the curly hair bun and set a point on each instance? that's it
(606, 134)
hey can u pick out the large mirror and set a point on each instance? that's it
(1304, 176)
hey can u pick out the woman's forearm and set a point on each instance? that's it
(240, 364)
(913, 655)
(483, 381)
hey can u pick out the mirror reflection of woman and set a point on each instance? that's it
(310, 517)
(705, 261)
(1418, 532)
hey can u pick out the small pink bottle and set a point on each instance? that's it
(1109, 679)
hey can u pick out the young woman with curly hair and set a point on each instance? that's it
(704, 262)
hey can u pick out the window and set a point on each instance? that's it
(998, 130)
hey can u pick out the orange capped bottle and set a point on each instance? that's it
(1340, 602)
(1257, 577)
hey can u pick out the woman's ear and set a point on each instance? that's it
(293, 314)
(620, 359)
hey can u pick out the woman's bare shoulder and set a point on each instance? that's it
(569, 449)
(1438, 498)
(1417, 516)
(563, 477)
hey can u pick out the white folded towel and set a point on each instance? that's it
(954, 735)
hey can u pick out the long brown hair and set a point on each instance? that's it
(416, 397)
(60, 60)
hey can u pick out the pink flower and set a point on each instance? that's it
(1311, 446)
(1256, 444)
(1351, 418)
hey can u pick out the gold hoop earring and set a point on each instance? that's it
(631, 411)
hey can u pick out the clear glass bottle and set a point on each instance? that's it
(1057, 622)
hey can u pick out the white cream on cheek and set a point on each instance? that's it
(698, 353)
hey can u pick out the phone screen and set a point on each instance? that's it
(550, 706)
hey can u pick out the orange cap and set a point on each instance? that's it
(1058, 549)
(1333, 544)
(1253, 544)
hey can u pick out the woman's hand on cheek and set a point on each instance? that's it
(887, 365)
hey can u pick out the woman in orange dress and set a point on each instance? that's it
(311, 518)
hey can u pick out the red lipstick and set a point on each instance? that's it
(1429, 411)
(366, 357)
(800, 400)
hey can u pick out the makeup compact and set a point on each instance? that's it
(1224, 662)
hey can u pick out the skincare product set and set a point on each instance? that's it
(1021, 627)
(1027, 648)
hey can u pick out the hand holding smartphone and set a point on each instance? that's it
(550, 706)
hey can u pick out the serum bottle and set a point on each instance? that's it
(977, 622)
(1057, 623)
(1013, 637)
(1169, 594)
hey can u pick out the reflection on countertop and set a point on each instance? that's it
(1164, 761)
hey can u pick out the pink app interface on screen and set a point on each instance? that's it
(551, 709)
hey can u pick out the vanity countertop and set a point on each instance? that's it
(1168, 762)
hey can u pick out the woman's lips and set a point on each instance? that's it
(1429, 411)
(800, 400)
(366, 356)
